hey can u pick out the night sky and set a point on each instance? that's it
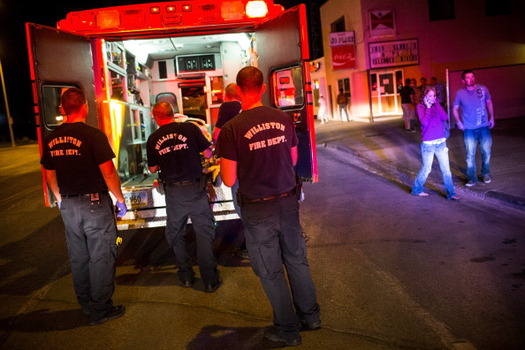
(13, 53)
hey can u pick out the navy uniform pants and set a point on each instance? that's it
(191, 201)
(274, 242)
(91, 235)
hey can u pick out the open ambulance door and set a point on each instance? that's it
(281, 47)
(57, 61)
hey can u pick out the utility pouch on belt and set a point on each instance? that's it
(95, 198)
(298, 188)
(239, 198)
(159, 185)
(203, 180)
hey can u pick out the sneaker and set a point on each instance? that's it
(470, 183)
(288, 338)
(113, 313)
(487, 178)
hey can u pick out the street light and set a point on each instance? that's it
(9, 119)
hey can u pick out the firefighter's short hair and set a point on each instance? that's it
(72, 100)
(231, 92)
(250, 79)
(162, 110)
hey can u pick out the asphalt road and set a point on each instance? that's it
(393, 271)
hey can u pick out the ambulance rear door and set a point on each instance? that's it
(57, 60)
(282, 49)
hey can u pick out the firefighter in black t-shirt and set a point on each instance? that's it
(230, 108)
(78, 163)
(174, 150)
(259, 148)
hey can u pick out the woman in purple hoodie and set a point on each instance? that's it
(432, 117)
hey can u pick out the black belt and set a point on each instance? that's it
(182, 183)
(269, 198)
(82, 194)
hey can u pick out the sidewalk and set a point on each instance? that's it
(384, 148)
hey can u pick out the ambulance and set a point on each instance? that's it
(126, 58)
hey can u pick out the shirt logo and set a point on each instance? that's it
(264, 126)
(74, 151)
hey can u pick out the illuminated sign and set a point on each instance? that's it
(342, 45)
(382, 23)
(393, 53)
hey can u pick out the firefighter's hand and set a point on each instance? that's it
(121, 209)
(59, 204)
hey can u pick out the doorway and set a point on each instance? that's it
(194, 103)
(384, 92)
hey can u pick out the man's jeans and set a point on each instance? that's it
(471, 138)
(427, 156)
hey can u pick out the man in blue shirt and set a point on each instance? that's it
(477, 118)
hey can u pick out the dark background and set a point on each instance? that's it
(13, 51)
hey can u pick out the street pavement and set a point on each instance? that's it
(384, 148)
(163, 315)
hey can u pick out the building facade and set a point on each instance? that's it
(371, 46)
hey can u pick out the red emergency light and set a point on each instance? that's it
(161, 15)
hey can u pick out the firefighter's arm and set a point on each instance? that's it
(228, 172)
(112, 180)
(51, 178)
(294, 154)
(215, 134)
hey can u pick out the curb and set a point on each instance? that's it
(406, 177)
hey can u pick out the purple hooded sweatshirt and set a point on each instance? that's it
(431, 119)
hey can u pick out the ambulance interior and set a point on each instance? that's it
(189, 72)
(194, 68)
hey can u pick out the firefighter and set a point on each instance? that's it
(78, 163)
(174, 150)
(259, 147)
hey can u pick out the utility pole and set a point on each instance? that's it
(9, 119)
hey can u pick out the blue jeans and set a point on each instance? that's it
(91, 234)
(273, 239)
(471, 138)
(191, 201)
(427, 156)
